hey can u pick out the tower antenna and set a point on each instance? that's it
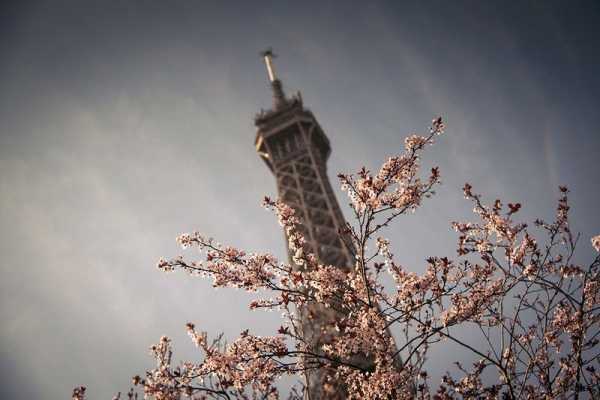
(279, 100)
(268, 57)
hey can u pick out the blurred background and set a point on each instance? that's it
(124, 124)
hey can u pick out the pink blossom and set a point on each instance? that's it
(596, 242)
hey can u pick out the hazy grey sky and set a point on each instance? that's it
(123, 124)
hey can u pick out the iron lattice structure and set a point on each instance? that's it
(293, 145)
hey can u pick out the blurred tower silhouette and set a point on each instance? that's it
(292, 144)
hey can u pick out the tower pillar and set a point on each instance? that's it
(291, 142)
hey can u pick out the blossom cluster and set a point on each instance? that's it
(535, 309)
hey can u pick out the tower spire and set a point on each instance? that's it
(279, 99)
(268, 56)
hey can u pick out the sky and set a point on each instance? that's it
(124, 124)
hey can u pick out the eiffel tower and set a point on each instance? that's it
(293, 145)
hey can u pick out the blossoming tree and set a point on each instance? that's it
(537, 311)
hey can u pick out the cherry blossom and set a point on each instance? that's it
(517, 286)
(596, 242)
